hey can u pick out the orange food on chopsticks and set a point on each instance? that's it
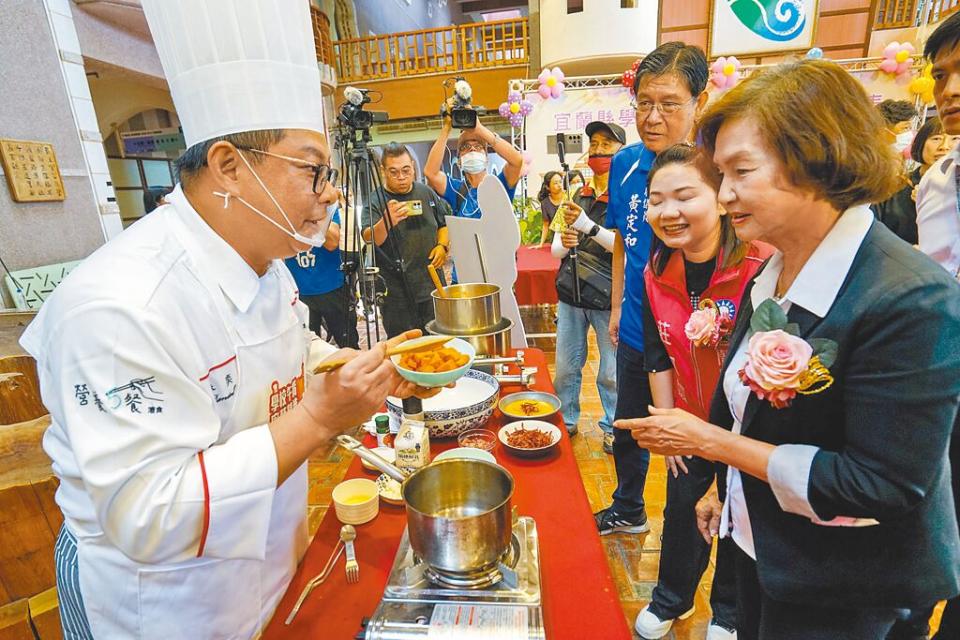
(434, 361)
(523, 438)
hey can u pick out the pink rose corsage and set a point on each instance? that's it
(708, 325)
(780, 364)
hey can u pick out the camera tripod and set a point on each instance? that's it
(361, 187)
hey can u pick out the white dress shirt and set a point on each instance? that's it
(938, 214)
(815, 289)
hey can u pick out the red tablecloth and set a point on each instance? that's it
(536, 276)
(579, 596)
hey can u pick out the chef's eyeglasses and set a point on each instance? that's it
(322, 173)
(644, 107)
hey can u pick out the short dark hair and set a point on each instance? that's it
(194, 159)
(686, 60)
(944, 36)
(393, 150)
(932, 127)
(894, 111)
(733, 251)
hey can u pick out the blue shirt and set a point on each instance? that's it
(625, 212)
(317, 271)
(467, 206)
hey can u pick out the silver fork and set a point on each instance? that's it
(348, 534)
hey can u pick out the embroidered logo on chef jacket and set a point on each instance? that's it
(222, 379)
(286, 397)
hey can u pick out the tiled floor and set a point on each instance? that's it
(633, 559)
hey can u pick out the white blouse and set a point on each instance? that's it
(815, 289)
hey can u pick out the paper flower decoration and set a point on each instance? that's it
(630, 75)
(515, 109)
(922, 85)
(551, 83)
(815, 53)
(897, 58)
(725, 72)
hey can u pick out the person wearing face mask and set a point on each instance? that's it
(585, 215)
(899, 212)
(176, 360)
(461, 193)
(899, 116)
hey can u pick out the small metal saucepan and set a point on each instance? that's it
(458, 510)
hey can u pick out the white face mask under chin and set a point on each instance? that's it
(316, 240)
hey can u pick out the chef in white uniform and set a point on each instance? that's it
(175, 360)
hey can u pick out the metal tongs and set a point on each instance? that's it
(317, 581)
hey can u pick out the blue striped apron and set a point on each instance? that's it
(73, 617)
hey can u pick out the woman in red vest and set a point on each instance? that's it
(694, 281)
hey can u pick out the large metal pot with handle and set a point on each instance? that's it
(466, 309)
(458, 510)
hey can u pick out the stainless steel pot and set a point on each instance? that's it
(493, 342)
(458, 510)
(467, 309)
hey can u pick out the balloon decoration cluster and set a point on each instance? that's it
(725, 72)
(897, 59)
(922, 85)
(516, 108)
(551, 83)
(630, 75)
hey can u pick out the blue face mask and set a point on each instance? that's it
(473, 162)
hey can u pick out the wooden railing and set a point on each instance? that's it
(896, 14)
(321, 36)
(480, 45)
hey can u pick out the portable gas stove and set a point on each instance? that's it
(500, 602)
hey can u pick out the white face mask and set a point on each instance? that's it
(903, 141)
(316, 240)
(473, 162)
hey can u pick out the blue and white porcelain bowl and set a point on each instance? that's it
(468, 405)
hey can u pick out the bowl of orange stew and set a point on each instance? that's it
(436, 367)
(529, 438)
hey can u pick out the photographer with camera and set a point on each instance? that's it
(406, 217)
(475, 139)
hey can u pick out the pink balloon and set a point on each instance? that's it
(889, 65)
(544, 91)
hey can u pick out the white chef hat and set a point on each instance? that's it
(238, 65)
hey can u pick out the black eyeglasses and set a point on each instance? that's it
(322, 173)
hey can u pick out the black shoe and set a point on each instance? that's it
(609, 521)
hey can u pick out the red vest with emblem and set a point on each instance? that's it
(696, 370)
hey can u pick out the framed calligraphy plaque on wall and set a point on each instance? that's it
(31, 170)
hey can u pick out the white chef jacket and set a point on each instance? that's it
(148, 360)
(815, 289)
(938, 212)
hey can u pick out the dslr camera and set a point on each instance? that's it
(462, 115)
(352, 114)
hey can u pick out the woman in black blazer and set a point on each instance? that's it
(839, 392)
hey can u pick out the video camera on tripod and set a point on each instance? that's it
(462, 114)
(352, 114)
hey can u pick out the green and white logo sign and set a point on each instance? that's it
(761, 26)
